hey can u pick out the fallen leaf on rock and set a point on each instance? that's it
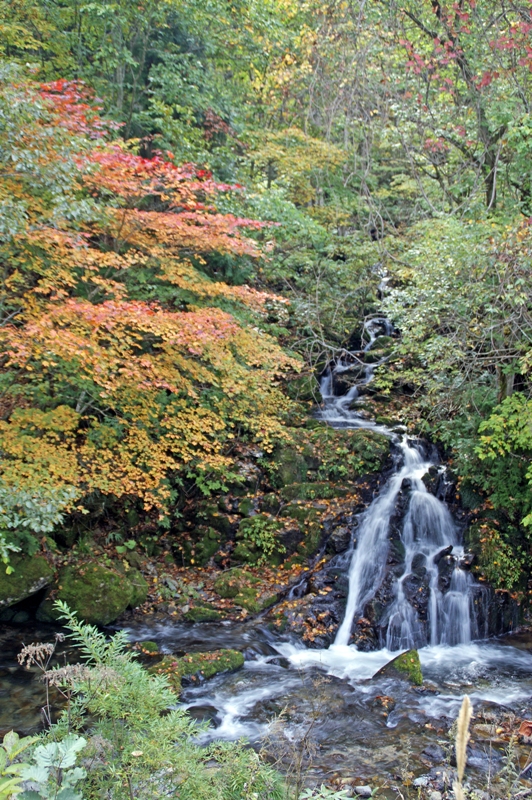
(525, 729)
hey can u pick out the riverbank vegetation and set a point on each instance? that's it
(198, 204)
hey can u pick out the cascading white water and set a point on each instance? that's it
(427, 531)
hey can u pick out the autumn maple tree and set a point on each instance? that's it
(126, 368)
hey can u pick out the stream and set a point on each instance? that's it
(327, 702)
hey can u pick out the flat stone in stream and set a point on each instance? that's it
(198, 666)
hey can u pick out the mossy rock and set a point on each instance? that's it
(290, 466)
(96, 593)
(146, 648)
(208, 514)
(348, 454)
(202, 614)
(202, 546)
(406, 666)
(271, 503)
(302, 513)
(321, 490)
(246, 506)
(139, 588)
(30, 575)
(245, 553)
(244, 588)
(384, 343)
(229, 583)
(327, 455)
(198, 665)
(312, 540)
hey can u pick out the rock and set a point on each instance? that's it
(445, 552)
(385, 702)
(96, 593)
(291, 466)
(363, 791)
(423, 780)
(30, 575)
(200, 613)
(247, 506)
(148, 648)
(339, 539)
(406, 666)
(435, 753)
(435, 795)
(202, 544)
(139, 588)
(466, 561)
(417, 592)
(209, 514)
(319, 490)
(244, 588)
(271, 503)
(419, 565)
(198, 666)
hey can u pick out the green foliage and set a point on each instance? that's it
(11, 769)
(261, 532)
(22, 511)
(136, 739)
(54, 775)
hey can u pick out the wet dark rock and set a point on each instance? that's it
(446, 566)
(290, 539)
(417, 592)
(384, 702)
(279, 661)
(466, 561)
(431, 479)
(364, 635)
(203, 713)
(339, 539)
(445, 552)
(419, 565)
(435, 753)
(363, 791)
(486, 758)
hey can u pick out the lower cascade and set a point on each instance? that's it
(428, 532)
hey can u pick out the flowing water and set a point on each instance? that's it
(355, 731)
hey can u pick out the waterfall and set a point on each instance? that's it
(427, 534)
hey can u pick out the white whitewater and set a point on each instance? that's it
(427, 532)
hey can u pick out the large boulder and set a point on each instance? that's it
(97, 594)
(30, 575)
